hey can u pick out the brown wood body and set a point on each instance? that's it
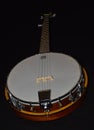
(57, 110)
(53, 116)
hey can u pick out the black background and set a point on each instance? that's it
(71, 32)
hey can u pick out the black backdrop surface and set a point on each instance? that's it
(71, 32)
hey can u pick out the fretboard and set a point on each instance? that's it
(44, 42)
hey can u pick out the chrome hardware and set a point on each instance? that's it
(60, 103)
(41, 17)
(53, 15)
(31, 107)
(39, 25)
(44, 99)
(71, 98)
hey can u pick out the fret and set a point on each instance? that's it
(44, 42)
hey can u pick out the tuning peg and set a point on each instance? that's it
(54, 15)
(41, 17)
(39, 25)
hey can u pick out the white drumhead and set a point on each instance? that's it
(61, 72)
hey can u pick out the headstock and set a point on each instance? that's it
(48, 15)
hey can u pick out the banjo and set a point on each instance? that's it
(48, 85)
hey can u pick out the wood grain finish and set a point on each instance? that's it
(57, 110)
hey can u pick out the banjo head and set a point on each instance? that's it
(46, 86)
(25, 79)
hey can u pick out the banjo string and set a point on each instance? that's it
(44, 68)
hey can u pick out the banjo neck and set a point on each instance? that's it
(44, 41)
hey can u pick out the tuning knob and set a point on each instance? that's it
(39, 25)
(54, 15)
